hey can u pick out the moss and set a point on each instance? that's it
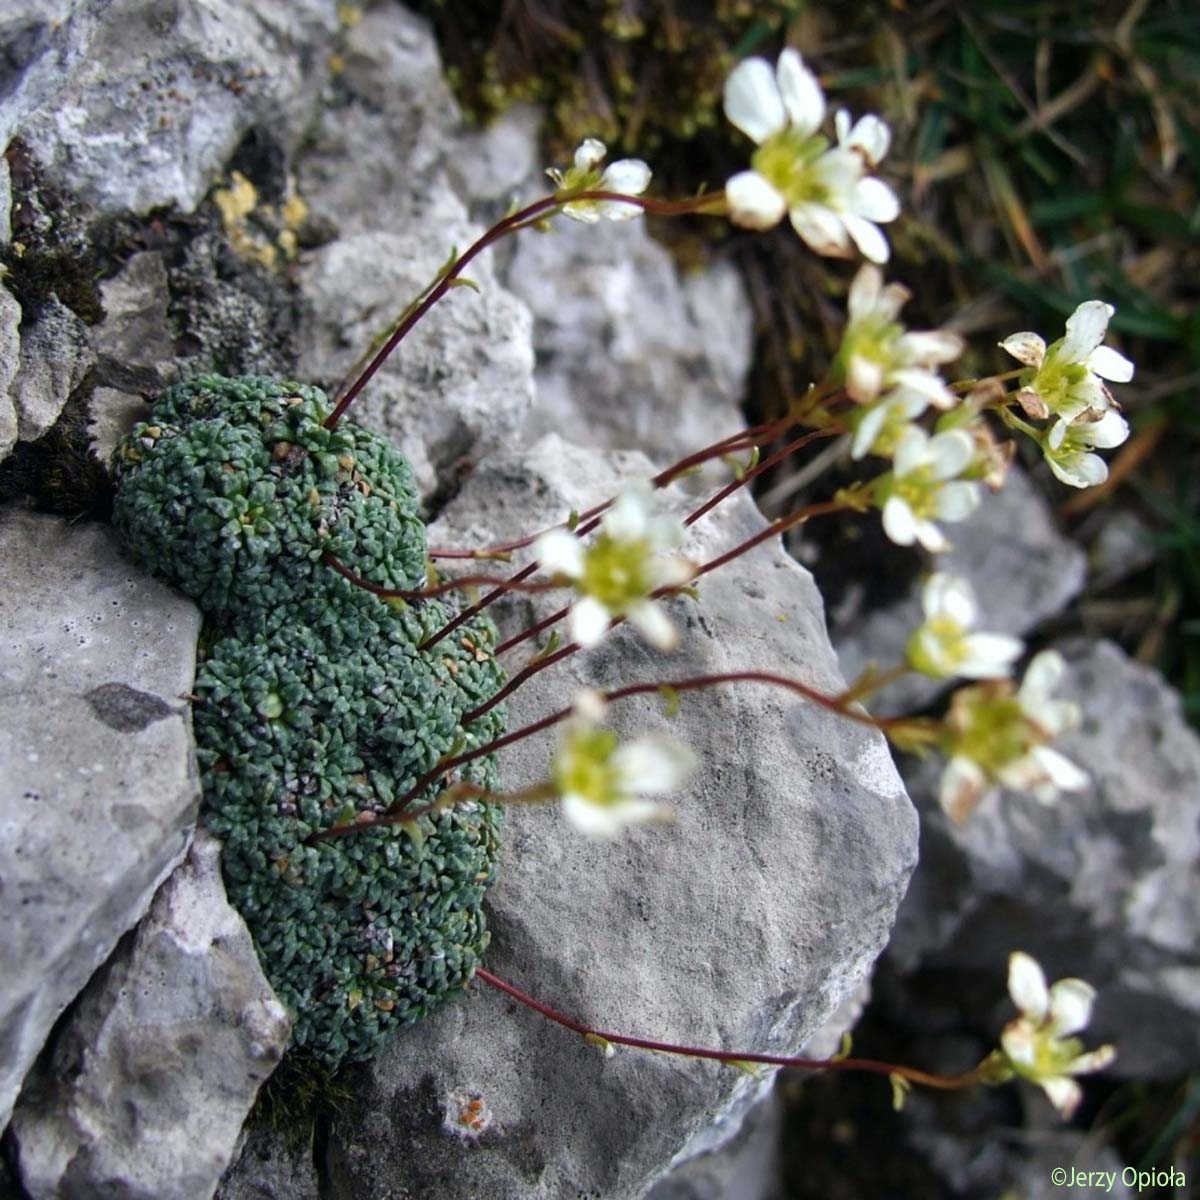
(635, 74)
(50, 253)
(315, 702)
(58, 473)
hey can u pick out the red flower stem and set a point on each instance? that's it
(465, 581)
(532, 631)
(591, 519)
(875, 1067)
(540, 664)
(692, 517)
(774, 529)
(842, 705)
(745, 440)
(749, 476)
(510, 224)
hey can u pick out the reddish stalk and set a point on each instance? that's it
(533, 630)
(745, 440)
(874, 1066)
(439, 589)
(776, 527)
(749, 476)
(842, 705)
(510, 224)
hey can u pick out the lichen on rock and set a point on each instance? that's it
(315, 701)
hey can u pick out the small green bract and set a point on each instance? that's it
(314, 703)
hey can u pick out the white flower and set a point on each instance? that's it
(922, 487)
(827, 193)
(1038, 1045)
(879, 427)
(877, 353)
(1067, 448)
(617, 572)
(942, 647)
(1066, 379)
(995, 736)
(602, 782)
(630, 176)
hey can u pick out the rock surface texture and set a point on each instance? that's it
(145, 1091)
(1101, 884)
(100, 789)
(630, 355)
(376, 170)
(743, 924)
(1021, 569)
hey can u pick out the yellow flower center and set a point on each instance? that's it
(988, 726)
(614, 572)
(583, 768)
(1055, 381)
(786, 160)
(918, 489)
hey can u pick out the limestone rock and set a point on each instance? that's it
(629, 354)
(1022, 569)
(371, 154)
(742, 924)
(155, 102)
(41, 44)
(100, 789)
(462, 380)
(1101, 884)
(134, 344)
(10, 361)
(55, 357)
(147, 1085)
(267, 1168)
(459, 382)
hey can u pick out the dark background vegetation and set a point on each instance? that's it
(1046, 153)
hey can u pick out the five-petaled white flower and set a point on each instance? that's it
(922, 487)
(1066, 379)
(1038, 1044)
(827, 192)
(1067, 448)
(630, 176)
(878, 353)
(942, 647)
(602, 782)
(995, 736)
(618, 571)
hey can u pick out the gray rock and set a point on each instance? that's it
(100, 787)
(746, 1165)
(743, 924)
(42, 44)
(147, 1085)
(134, 343)
(1101, 885)
(629, 355)
(493, 164)
(1022, 569)
(55, 356)
(747, 1168)
(5, 202)
(157, 97)
(134, 347)
(370, 157)
(10, 362)
(972, 1161)
(266, 1167)
(460, 382)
